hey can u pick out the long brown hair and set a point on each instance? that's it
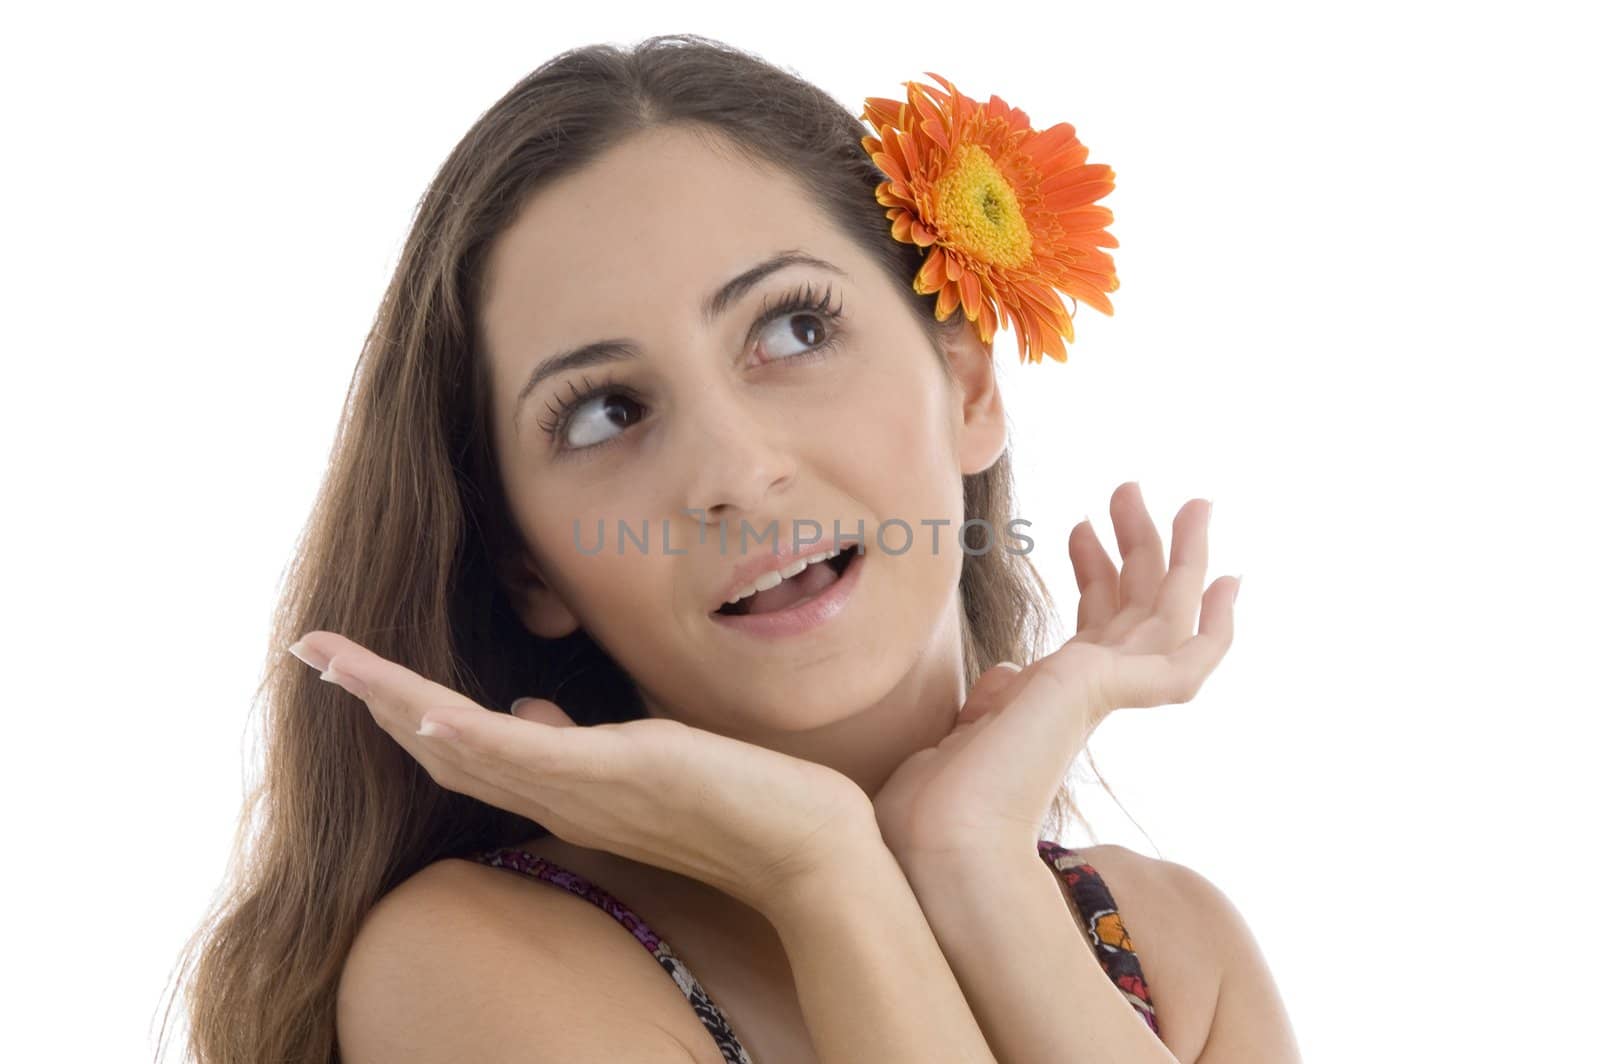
(408, 540)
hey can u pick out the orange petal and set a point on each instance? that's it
(1076, 195)
(1029, 335)
(1001, 308)
(1049, 142)
(881, 111)
(943, 98)
(1051, 315)
(1076, 175)
(901, 229)
(1092, 296)
(886, 195)
(1054, 345)
(949, 297)
(932, 276)
(1080, 218)
(908, 147)
(929, 110)
(1064, 325)
(1055, 314)
(1064, 156)
(971, 295)
(1091, 261)
(988, 323)
(889, 164)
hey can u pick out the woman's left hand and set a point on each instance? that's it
(987, 786)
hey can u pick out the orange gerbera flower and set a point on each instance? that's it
(1008, 210)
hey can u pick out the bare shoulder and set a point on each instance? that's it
(467, 962)
(1166, 901)
(1210, 984)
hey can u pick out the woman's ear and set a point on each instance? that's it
(544, 613)
(981, 430)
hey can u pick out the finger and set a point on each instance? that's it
(1143, 680)
(990, 692)
(542, 711)
(1143, 560)
(1097, 578)
(447, 767)
(520, 755)
(477, 756)
(396, 696)
(1179, 598)
(397, 699)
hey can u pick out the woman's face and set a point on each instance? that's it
(764, 424)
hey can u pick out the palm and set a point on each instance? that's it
(991, 779)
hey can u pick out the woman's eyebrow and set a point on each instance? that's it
(603, 351)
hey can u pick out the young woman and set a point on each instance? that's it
(655, 288)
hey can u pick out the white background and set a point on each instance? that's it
(1357, 263)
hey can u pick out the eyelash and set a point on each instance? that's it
(796, 300)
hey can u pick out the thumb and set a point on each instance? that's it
(541, 711)
(991, 692)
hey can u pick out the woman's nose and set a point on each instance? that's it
(735, 460)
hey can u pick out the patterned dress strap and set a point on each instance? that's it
(539, 868)
(1113, 946)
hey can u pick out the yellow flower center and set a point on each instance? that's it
(978, 210)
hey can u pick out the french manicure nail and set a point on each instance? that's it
(345, 680)
(299, 649)
(437, 730)
(1237, 581)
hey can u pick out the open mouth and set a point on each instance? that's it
(805, 585)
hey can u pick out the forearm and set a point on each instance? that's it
(1035, 985)
(872, 982)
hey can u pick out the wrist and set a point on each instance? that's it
(960, 858)
(852, 858)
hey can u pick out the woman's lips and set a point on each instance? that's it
(781, 557)
(802, 616)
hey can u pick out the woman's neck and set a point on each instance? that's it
(868, 746)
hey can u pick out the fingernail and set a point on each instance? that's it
(345, 680)
(518, 702)
(299, 649)
(437, 729)
(1236, 582)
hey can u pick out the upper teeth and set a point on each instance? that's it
(777, 576)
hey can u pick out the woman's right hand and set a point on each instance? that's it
(739, 817)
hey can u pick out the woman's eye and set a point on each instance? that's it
(806, 328)
(591, 418)
(600, 411)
